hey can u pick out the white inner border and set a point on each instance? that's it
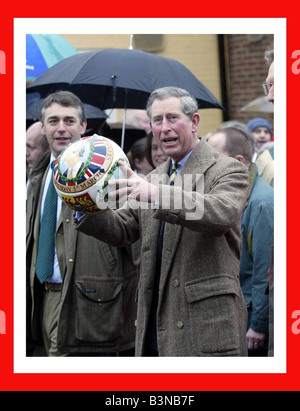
(23, 364)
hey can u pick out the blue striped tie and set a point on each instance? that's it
(46, 245)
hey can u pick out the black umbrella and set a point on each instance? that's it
(120, 78)
(33, 106)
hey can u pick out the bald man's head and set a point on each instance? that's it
(36, 144)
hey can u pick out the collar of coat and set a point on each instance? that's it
(201, 159)
(41, 165)
(252, 175)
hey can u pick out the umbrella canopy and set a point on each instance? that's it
(259, 105)
(120, 78)
(44, 51)
(33, 106)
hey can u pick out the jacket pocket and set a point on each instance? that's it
(99, 310)
(214, 318)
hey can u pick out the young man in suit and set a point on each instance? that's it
(63, 310)
(189, 300)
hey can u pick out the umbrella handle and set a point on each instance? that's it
(124, 121)
(130, 44)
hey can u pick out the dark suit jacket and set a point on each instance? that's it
(201, 309)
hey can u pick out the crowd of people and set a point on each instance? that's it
(156, 280)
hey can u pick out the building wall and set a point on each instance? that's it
(247, 72)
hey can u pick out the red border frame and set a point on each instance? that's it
(148, 382)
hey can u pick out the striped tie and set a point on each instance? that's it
(173, 173)
(172, 176)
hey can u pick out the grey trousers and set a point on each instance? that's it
(49, 322)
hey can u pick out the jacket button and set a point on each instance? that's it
(67, 220)
(71, 260)
(179, 324)
(176, 283)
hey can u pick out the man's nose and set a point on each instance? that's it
(61, 126)
(271, 95)
(165, 125)
(159, 152)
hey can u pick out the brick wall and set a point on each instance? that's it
(247, 71)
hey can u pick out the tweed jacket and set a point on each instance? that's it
(201, 309)
(98, 308)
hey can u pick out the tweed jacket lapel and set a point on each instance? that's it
(150, 226)
(200, 160)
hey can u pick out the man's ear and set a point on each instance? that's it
(83, 127)
(240, 158)
(195, 121)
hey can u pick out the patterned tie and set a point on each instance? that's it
(46, 245)
(173, 173)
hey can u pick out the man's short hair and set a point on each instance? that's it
(238, 143)
(189, 104)
(65, 99)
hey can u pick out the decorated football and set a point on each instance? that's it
(82, 171)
